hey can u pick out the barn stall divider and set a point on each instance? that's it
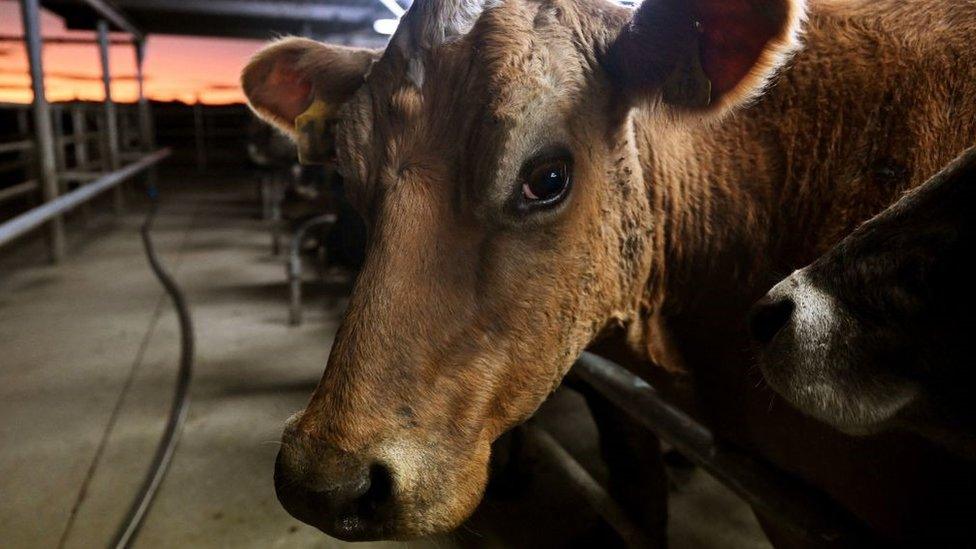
(792, 504)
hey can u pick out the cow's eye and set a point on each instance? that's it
(546, 183)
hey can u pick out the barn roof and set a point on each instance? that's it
(343, 21)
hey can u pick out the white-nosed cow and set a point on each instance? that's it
(874, 335)
(537, 174)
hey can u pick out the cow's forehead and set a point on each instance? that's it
(515, 51)
(518, 59)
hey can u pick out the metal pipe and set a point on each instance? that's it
(78, 175)
(111, 115)
(29, 221)
(276, 198)
(295, 265)
(80, 135)
(794, 505)
(146, 133)
(43, 133)
(199, 131)
(18, 190)
(60, 156)
(79, 139)
(584, 483)
(59, 40)
(16, 146)
(268, 9)
(107, 11)
(125, 133)
(22, 127)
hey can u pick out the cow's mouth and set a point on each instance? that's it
(835, 395)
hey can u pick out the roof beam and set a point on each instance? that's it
(259, 9)
(110, 13)
(48, 40)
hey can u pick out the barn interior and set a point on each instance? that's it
(90, 345)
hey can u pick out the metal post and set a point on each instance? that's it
(43, 134)
(60, 156)
(22, 127)
(111, 116)
(125, 137)
(30, 167)
(199, 130)
(147, 139)
(294, 266)
(277, 197)
(79, 130)
(146, 132)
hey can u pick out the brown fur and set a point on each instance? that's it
(466, 316)
(881, 97)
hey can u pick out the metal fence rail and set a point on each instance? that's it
(44, 158)
(33, 219)
(800, 508)
(589, 489)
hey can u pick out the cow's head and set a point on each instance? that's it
(877, 331)
(491, 150)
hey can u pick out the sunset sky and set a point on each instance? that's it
(177, 67)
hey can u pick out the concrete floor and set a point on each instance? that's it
(88, 353)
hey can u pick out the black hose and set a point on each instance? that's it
(177, 414)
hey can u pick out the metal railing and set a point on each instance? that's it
(44, 156)
(801, 509)
(26, 222)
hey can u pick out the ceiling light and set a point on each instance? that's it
(385, 26)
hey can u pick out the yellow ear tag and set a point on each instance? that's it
(310, 136)
(688, 85)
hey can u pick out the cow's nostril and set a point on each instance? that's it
(768, 317)
(352, 503)
(359, 507)
(380, 490)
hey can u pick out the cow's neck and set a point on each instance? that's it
(716, 208)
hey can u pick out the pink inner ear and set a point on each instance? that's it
(291, 91)
(734, 34)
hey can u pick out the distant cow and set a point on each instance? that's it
(878, 332)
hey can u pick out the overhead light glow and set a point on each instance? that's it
(385, 26)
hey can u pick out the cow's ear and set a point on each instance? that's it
(704, 56)
(284, 79)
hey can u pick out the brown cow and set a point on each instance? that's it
(875, 334)
(536, 174)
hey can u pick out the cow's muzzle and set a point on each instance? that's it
(343, 495)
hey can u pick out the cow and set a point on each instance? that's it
(538, 176)
(874, 335)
